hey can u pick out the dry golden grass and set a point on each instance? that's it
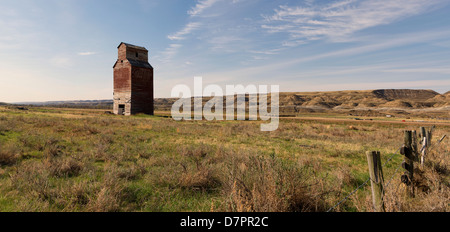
(96, 162)
(261, 184)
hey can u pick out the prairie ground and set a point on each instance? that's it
(86, 160)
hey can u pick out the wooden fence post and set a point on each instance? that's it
(424, 151)
(377, 180)
(408, 163)
(429, 137)
(432, 132)
(423, 143)
(423, 132)
(414, 146)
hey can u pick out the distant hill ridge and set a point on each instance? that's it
(295, 101)
(396, 94)
(349, 99)
(382, 98)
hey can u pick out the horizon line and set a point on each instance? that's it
(316, 91)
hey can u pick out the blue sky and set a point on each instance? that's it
(65, 49)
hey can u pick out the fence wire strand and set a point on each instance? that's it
(392, 177)
(388, 183)
(354, 191)
(365, 183)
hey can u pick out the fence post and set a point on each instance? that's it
(429, 137)
(414, 147)
(423, 132)
(432, 132)
(423, 143)
(408, 163)
(377, 180)
(424, 150)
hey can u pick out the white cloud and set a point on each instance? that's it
(223, 42)
(282, 65)
(338, 20)
(267, 52)
(170, 52)
(86, 53)
(201, 6)
(180, 35)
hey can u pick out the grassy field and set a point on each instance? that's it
(87, 160)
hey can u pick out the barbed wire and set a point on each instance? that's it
(343, 200)
(390, 158)
(390, 180)
(362, 185)
(392, 177)
(438, 143)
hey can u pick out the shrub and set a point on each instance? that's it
(262, 184)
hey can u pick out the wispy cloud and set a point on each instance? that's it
(267, 52)
(201, 6)
(281, 65)
(337, 21)
(223, 43)
(170, 52)
(188, 29)
(86, 53)
(180, 35)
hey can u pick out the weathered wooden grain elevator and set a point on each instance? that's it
(133, 81)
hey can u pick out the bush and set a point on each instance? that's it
(262, 184)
